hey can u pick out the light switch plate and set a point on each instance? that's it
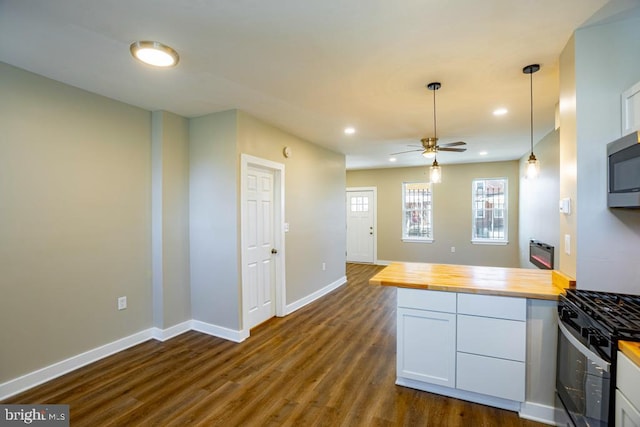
(567, 244)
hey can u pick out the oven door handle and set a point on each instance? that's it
(593, 357)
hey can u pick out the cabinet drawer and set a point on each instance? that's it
(628, 379)
(427, 300)
(506, 339)
(493, 306)
(493, 377)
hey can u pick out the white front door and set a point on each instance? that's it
(259, 245)
(360, 226)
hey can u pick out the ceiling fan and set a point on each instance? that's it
(430, 145)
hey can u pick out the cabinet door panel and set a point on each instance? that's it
(427, 346)
(490, 376)
(628, 379)
(506, 339)
(626, 414)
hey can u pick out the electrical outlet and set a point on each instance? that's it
(453, 249)
(122, 303)
(324, 266)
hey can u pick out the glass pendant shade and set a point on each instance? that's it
(435, 173)
(533, 167)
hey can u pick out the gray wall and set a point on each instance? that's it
(539, 212)
(314, 205)
(170, 219)
(451, 216)
(314, 208)
(213, 215)
(606, 64)
(74, 221)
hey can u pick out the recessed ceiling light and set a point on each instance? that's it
(350, 130)
(500, 112)
(483, 153)
(154, 53)
(392, 159)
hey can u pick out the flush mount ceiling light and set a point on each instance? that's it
(154, 53)
(533, 166)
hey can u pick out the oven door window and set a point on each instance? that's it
(582, 382)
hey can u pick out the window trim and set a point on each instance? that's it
(505, 213)
(404, 237)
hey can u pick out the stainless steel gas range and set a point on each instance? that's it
(590, 325)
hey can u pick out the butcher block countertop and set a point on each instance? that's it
(513, 282)
(631, 350)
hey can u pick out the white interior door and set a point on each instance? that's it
(360, 226)
(260, 249)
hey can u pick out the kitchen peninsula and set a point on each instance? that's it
(477, 333)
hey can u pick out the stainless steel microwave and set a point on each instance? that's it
(624, 172)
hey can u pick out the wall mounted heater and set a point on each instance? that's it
(541, 254)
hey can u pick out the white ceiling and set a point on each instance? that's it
(313, 67)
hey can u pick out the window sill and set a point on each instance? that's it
(405, 240)
(490, 242)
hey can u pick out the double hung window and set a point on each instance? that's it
(489, 210)
(417, 212)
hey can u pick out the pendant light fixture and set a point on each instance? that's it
(435, 172)
(533, 166)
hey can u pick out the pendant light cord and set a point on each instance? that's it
(531, 108)
(435, 131)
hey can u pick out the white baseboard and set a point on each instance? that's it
(173, 331)
(50, 372)
(290, 308)
(32, 379)
(543, 414)
(219, 331)
(383, 262)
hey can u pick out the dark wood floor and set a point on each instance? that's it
(331, 363)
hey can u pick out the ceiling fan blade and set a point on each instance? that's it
(457, 150)
(409, 151)
(453, 144)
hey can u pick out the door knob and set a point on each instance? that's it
(274, 251)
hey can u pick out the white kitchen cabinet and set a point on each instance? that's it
(472, 345)
(492, 345)
(627, 393)
(631, 109)
(426, 340)
(626, 414)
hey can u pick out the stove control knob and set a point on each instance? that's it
(567, 313)
(597, 339)
(585, 332)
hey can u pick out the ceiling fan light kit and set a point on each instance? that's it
(430, 146)
(533, 166)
